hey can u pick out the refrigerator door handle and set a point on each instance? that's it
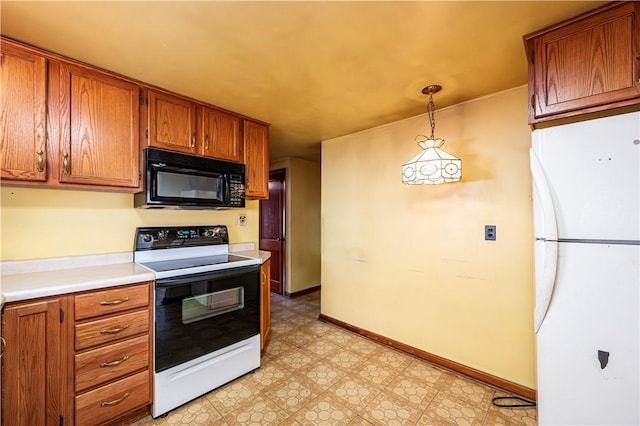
(546, 282)
(550, 225)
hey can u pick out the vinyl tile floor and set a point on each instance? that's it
(314, 373)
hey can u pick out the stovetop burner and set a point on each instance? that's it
(193, 262)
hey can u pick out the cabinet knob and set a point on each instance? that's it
(206, 142)
(193, 139)
(65, 163)
(40, 161)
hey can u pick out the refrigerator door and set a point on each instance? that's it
(592, 170)
(588, 344)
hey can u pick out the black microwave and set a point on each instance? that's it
(176, 180)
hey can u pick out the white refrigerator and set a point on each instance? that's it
(586, 197)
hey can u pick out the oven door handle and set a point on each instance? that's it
(206, 276)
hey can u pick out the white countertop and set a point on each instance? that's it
(30, 279)
(260, 254)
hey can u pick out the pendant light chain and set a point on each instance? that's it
(431, 107)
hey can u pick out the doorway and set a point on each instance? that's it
(272, 224)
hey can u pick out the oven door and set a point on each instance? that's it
(201, 313)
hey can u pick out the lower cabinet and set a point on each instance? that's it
(33, 368)
(265, 303)
(80, 359)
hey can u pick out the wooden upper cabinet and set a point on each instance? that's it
(256, 159)
(23, 116)
(99, 129)
(171, 122)
(219, 135)
(587, 64)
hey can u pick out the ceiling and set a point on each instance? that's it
(315, 70)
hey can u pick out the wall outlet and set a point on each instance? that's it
(242, 220)
(490, 232)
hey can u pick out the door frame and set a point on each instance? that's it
(281, 176)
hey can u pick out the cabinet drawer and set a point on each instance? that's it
(105, 364)
(111, 329)
(111, 401)
(109, 301)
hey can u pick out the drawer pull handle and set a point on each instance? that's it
(114, 330)
(115, 401)
(114, 302)
(114, 363)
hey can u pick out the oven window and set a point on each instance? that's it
(209, 305)
(182, 185)
(199, 314)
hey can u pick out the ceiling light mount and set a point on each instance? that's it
(431, 89)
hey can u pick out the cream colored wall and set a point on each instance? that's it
(302, 223)
(410, 262)
(39, 223)
(304, 217)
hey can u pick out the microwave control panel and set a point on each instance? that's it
(236, 188)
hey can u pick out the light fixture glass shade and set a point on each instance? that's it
(432, 166)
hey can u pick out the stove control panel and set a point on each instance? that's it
(180, 236)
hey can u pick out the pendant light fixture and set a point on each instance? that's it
(431, 166)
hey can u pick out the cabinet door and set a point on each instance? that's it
(171, 123)
(99, 129)
(23, 117)
(588, 64)
(32, 364)
(256, 160)
(220, 135)
(265, 303)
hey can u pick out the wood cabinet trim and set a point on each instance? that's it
(574, 19)
(210, 131)
(89, 408)
(117, 299)
(110, 329)
(133, 354)
(30, 356)
(143, 85)
(67, 145)
(58, 105)
(35, 108)
(152, 103)
(557, 90)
